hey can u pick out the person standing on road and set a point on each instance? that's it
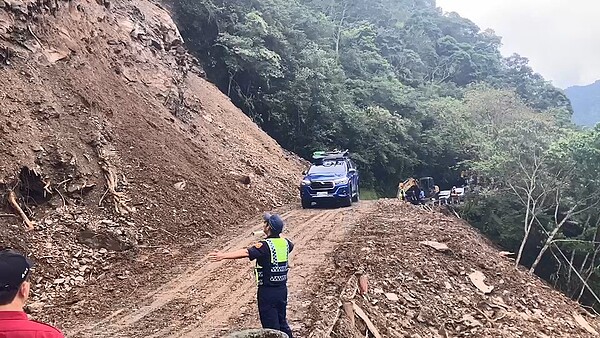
(271, 271)
(14, 292)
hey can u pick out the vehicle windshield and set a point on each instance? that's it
(329, 167)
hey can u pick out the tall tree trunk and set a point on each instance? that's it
(591, 269)
(544, 249)
(339, 33)
(570, 271)
(551, 237)
(527, 224)
(571, 213)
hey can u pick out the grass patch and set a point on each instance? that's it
(368, 194)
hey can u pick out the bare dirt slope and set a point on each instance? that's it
(119, 150)
(208, 299)
(415, 290)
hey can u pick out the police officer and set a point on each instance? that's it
(271, 270)
(14, 292)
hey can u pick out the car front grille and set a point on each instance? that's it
(322, 185)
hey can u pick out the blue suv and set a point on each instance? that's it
(332, 176)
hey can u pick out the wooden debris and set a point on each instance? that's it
(506, 253)
(584, 324)
(372, 328)
(110, 175)
(441, 247)
(477, 278)
(12, 199)
(79, 188)
(349, 310)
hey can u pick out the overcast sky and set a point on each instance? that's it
(561, 38)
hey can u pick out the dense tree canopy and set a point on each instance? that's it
(377, 77)
(413, 91)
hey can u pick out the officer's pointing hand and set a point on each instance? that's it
(216, 256)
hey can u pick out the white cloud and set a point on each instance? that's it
(561, 38)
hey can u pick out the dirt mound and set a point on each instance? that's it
(431, 275)
(119, 151)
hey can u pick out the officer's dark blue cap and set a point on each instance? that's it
(275, 222)
(14, 269)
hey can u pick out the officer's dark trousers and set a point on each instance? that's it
(272, 303)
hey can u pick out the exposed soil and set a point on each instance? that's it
(208, 299)
(415, 290)
(123, 155)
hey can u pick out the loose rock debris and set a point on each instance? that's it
(110, 121)
(437, 246)
(440, 295)
(477, 278)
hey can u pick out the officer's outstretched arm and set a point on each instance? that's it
(219, 256)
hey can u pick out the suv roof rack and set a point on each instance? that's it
(330, 155)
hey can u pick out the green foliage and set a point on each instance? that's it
(368, 194)
(411, 91)
(385, 79)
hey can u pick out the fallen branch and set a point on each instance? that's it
(63, 199)
(455, 213)
(367, 321)
(8, 215)
(63, 182)
(35, 36)
(47, 188)
(347, 294)
(102, 198)
(12, 199)
(335, 320)
(489, 320)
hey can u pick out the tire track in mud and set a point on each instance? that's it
(208, 297)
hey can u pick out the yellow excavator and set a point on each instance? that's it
(410, 189)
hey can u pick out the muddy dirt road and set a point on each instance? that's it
(209, 299)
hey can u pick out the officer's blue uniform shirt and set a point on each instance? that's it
(262, 254)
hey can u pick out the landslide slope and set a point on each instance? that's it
(119, 150)
(415, 290)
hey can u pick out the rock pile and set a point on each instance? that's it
(432, 275)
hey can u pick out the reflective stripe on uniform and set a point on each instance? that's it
(281, 278)
(279, 268)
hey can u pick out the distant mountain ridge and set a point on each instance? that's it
(586, 103)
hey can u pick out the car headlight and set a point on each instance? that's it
(341, 181)
(305, 182)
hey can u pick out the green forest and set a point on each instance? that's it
(413, 91)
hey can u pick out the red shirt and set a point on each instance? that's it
(15, 324)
